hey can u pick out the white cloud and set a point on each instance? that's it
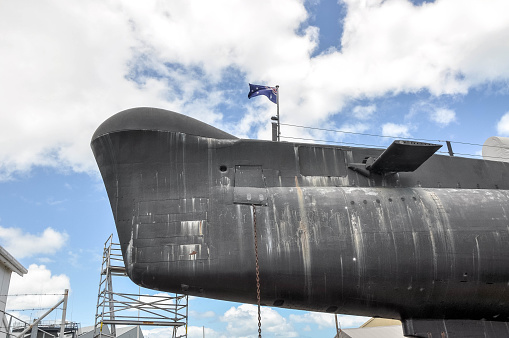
(54, 100)
(327, 320)
(503, 125)
(364, 112)
(323, 320)
(161, 298)
(443, 116)
(21, 244)
(197, 332)
(408, 53)
(52, 201)
(206, 314)
(328, 132)
(440, 115)
(66, 66)
(38, 280)
(395, 130)
(354, 127)
(242, 321)
(45, 260)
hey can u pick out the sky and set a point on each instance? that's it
(357, 71)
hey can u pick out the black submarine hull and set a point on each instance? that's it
(428, 244)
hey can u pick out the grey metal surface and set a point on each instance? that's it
(428, 244)
(403, 156)
(158, 119)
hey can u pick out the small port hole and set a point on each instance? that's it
(223, 168)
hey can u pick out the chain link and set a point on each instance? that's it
(257, 274)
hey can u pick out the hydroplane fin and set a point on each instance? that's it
(402, 156)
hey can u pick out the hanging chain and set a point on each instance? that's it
(257, 275)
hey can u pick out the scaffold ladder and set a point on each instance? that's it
(115, 308)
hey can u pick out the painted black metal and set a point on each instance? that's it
(426, 328)
(402, 156)
(449, 148)
(429, 244)
(274, 131)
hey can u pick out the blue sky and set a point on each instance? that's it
(434, 70)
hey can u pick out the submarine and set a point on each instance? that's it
(399, 233)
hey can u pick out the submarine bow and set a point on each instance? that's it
(400, 233)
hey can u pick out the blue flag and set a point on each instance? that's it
(270, 92)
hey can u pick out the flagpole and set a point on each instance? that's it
(277, 114)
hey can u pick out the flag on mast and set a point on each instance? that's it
(270, 92)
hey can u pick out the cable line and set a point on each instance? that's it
(37, 309)
(371, 145)
(387, 136)
(357, 133)
(33, 294)
(329, 141)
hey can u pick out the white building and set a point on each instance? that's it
(122, 332)
(8, 265)
(375, 328)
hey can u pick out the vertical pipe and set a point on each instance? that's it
(111, 300)
(99, 293)
(35, 329)
(9, 328)
(449, 148)
(337, 326)
(274, 132)
(139, 299)
(277, 114)
(64, 309)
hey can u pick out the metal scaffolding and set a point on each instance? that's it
(39, 328)
(43, 329)
(115, 308)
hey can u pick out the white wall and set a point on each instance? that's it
(5, 279)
